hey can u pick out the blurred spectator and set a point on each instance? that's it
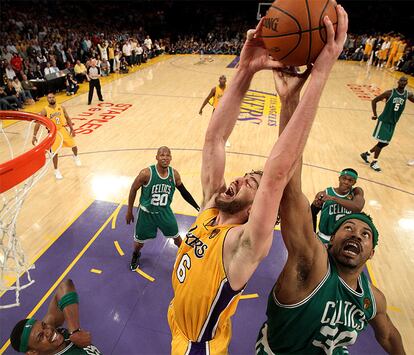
(50, 69)
(28, 86)
(72, 86)
(17, 64)
(10, 73)
(8, 102)
(111, 56)
(126, 51)
(105, 68)
(80, 71)
(11, 91)
(24, 94)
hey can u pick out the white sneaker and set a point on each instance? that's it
(410, 162)
(77, 160)
(58, 175)
(374, 165)
(227, 144)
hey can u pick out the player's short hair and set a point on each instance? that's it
(16, 334)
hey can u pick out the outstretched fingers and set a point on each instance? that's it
(330, 32)
(342, 25)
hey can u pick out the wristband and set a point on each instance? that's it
(68, 299)
(74, 331)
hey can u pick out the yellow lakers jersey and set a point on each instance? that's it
(217, 96)
(203, 299)
(56, 115)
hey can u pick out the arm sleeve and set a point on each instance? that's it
(187, 196)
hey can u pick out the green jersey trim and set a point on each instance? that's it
(149, 181)
(168, 175)
(65, 349)
(374, 302)
(342, 196)
(306, 299)
(173, 177)
(350, 289)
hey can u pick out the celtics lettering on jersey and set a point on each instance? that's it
(394, 107)
(157, 194)
(335, 314)
(326, 321)
(332, 211)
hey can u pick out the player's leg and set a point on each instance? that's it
(55, 146)
(169, 227)
(91, 90)
(383, 134)
(145, 229)
(69, 142)
(98, 90)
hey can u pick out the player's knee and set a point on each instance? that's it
(381, 145)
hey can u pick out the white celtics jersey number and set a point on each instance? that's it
(334, 339)
(159, 199)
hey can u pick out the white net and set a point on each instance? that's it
(16, 139)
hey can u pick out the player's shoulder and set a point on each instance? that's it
(145, 173)
(380, 299)
(358, 190)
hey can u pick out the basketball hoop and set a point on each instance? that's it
(23, 167)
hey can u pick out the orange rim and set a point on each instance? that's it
(16, 170)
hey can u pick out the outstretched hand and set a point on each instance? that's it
(289, 82)
(254, 55)
(334, 43)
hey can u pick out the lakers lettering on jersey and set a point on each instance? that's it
(199, 314)
(63, 138)
(56, 115)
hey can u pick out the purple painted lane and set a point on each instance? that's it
(52, 263)
(126, 313)
(234, 62)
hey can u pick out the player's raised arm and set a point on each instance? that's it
(285, 156)
(254, 57)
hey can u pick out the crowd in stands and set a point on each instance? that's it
(50, 46)
(390, 51)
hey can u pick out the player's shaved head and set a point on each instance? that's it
(162, 149)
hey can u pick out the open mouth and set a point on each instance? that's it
(230, 192)
(54, 336)
(352, 248)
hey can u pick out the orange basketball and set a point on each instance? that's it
(294, 32)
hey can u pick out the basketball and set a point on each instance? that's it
(294, 32)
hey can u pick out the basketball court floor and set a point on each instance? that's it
(76, 227)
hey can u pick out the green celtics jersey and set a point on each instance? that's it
(332, 211)
(325, 322)
(72, 349)
(394, 107)
(158, 193)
